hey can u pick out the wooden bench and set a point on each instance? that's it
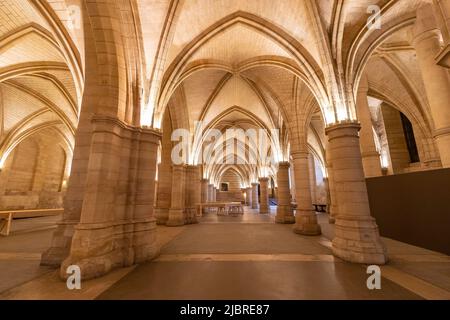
(7, 217)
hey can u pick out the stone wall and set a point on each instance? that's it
(234, 193)
(396, 139)
(233, 180)
(34, 174)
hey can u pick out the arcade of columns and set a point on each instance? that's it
(119, 191)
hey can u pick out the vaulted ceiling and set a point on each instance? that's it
(228, 63)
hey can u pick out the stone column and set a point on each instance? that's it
(205, 187)
(176, 212)
(73, 202)
(305, 218)
(210, 192)
(164, 193)
(248, 192)
(312, 178)
(145, 245)
(284, 209)
(332, 204)
(370, 155)
(117, 227)
(264, 201)
(356, 233)
(255, 200)
(193, 193)
(436, 79)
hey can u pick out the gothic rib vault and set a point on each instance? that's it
(102, 85)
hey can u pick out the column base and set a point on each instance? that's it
(61, 242)
(255, 206)
(284, 215)
(306, 224)
(99, 248)
(264, 210)
(191, 215)
(357, 240)
(176, 218)
(162, 215)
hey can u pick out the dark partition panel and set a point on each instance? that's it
(413, 208)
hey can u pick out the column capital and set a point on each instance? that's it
(112, 125)
(426, 35)
(284, 164)
(263, 179)
(300, 155)
(441, 132)
(255, 184)
(179, 166)
(347, 129)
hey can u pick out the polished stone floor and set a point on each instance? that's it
(245, 257)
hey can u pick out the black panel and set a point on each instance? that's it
(413, 208)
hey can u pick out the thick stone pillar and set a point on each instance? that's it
(193, 193)
(312, 178)
(356, 233)
(284, 208)
(332, 200)
(436, 79)
(264, 200)
(117, 227)
(209, 193)
(108, 220)
(255, 200)
(305, 218)
(204, 194)
(442, 10)
(248, 192)
(73, 202)
(370, 155)
(176, 212)
(163, 194)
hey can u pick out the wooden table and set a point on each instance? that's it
(223, 208)
(7, 217)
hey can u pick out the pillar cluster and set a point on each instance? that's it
(116, 227)
(305, 218)
(264, 207)
(255, 196)
(370, 155)
(356, 233)
(284, 209)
